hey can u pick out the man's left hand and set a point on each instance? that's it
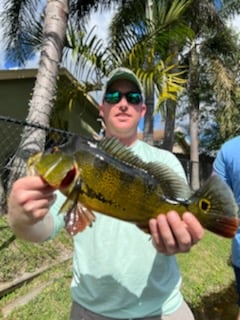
(173, 234)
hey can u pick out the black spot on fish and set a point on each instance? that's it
(99, 196)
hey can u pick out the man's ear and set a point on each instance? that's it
(101, 110)
(143, 111)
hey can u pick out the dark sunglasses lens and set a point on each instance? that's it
(134, 97)
(116, 96)
(112, 97)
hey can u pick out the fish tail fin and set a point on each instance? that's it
(216, 207)
(223, 226)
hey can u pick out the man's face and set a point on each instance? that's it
(122, 118)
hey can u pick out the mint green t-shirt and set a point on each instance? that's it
(116, 270)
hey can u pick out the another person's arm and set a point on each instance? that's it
(28, 209)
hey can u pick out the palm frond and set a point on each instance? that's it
(84, 56)
(229, 8)
(20, 18)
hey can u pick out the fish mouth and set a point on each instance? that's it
(69, 178)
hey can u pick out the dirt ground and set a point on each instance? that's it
(220, 306)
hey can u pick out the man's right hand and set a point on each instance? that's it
(28, 207)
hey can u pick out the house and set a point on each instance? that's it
(16, 87)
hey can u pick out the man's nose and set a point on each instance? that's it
(123, 108)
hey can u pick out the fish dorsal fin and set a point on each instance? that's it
(119, 151)
(172, 185)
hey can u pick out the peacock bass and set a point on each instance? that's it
(107, 177)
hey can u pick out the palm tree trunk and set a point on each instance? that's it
(194, 114)
(168, 140)
(41, 104)
(148, 120)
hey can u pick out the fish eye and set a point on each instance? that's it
(204, 205)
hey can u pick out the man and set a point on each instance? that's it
(117, 272)
(227, 166)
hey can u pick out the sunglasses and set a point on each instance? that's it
(116, 96)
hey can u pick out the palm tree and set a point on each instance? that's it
(208, 27)
(156, 66)
(18, 21)
(206, 21)
(45, 85)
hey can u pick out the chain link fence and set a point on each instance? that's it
(10, 132)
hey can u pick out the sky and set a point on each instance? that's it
(236, 23)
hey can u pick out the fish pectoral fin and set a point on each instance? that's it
(87, 213)
(77, 220)
(78, 216)
(72, 199)
(68, 206)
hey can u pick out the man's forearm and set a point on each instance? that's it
(37, 232)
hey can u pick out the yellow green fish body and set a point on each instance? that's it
(107, 177)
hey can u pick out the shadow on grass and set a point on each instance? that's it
(218, 306)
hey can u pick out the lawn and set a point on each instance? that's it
(207, 279)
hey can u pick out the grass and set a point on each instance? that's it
(54, 300)
(18, 256)
(205, 269)
(206, 278)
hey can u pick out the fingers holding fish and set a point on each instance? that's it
(32, 198)
(154, 230)
(171, 234)
(194, 227)
(37, 209)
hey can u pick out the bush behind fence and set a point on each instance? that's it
(10, 132)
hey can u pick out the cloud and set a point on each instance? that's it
(235, 23)
(101, 21)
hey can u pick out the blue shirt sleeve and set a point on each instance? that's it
(219, 165)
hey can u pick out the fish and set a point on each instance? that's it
(107, 177)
